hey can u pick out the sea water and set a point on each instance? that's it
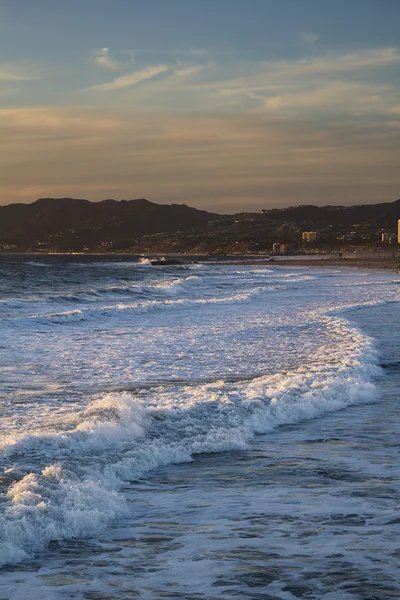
(198, 431)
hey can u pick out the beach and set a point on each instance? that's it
(368, 262)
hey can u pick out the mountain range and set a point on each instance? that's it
(65, 224)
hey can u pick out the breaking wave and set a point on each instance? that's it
(84, 459)
(142, 307)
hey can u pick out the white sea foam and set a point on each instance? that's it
(35, 263)
(69, 463)
(166, 425)
(145, 306)
(89, 299)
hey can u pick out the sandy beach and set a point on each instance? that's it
(354, 262)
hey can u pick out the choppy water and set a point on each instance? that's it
(198, 432)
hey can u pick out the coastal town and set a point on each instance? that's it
(140, 226)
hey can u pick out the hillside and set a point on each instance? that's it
(66, 221)
(67, 224)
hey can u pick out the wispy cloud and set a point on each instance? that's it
(103, 59)
(131, 79)
(219, 132)
(345, 96)
(16, 72)
(277, 74)
(337, 83)
(322, 81)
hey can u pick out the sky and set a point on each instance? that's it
(225, 105)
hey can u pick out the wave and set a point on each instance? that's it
(120, 437)
(369, 283)
(140, 307)
(121, 264)
(35, 263)
(171, 284)
(156, 288)
(271, 276)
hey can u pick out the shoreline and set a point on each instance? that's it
(360, 262)
(391, 264)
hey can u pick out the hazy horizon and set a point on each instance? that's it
(225, 106)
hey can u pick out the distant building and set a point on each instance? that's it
(310, 236)
(347, 237)
(275, 248)
(385, 238)
(398, 231)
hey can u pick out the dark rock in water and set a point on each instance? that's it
(166, 262)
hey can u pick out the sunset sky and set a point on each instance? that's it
(221, 104)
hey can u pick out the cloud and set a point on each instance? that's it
(220, 162)
(322, 82)
(347, 62)
(222, 135)
(308, 37)
(344, 95)
(15, 73)
(131, 79)
(279, 74)
(11, 75)
(103, 60)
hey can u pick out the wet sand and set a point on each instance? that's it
(392, 264)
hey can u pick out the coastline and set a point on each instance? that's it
(391, 264)
(361, 262)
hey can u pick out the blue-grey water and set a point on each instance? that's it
(200, 431)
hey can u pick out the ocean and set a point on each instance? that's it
(204, 431)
